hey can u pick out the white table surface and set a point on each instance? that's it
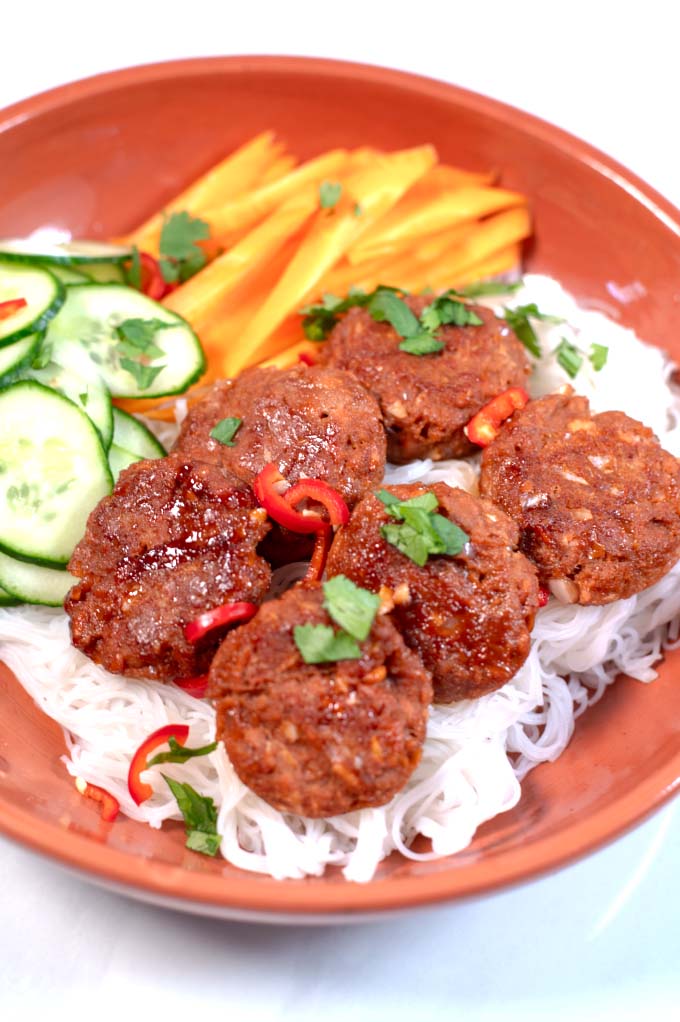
(601, 939)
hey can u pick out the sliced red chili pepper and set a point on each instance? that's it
(194, 686)
(543, 596)
(227, 614)
(267, 487)
(11, 306)
(322, 493)
(483, 427)
(152, 282)
(322, 545)
(139, 790)
(306, 359)
(109, 806)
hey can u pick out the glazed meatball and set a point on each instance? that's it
(468, 617)
(173, 540)
(596, 498)
(318, 739)
(426, 400)
(313, 422)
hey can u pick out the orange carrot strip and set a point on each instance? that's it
(230, 177)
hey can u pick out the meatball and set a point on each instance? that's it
(426, 400)
(313, 422)
(173, 540)
(318, 739)
(596, 498)
(468, 617)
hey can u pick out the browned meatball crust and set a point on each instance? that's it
(468, 617)
(311, 421)
(426, 400)
(173, 540)
(318, 739)
(596, 497)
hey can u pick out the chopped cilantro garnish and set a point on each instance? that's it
(446, 310)
(200, 817)
(136, 337)
(569, 357)
(598, 356)
(84, 398)
(421, 532)
(489, 287)
(319, 644)
(144, 375)
(181, 257)
(358, 209)
(386, 304)
(422, 344)
(329, 194)
(136, 347)
(519, 317)
(351, 607)
(179, 754)
(225, 430)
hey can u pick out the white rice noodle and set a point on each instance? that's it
(476, 752)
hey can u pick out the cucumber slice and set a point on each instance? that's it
(68, 253)
(66, 274)
(44, 295)
(104, 273)
(90, 395)
(32, 583)
(53, 470)
(84, 333)
(133, 436)
(119, 459)
(7, 600)
(15, 357)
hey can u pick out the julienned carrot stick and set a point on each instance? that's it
(233, 176)
(366, 195)
(205, 293)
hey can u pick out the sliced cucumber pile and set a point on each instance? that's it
(53, 470)
(77, 337)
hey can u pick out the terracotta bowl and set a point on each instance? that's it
(97, 157)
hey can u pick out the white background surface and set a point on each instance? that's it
(601, 939)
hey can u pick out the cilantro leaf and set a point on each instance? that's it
(447, 309)
(144, 375)
(179, 754)
(598, 356)
(358, 209)
(351, 607)
(387, 306)
(181, 256)
(319, 644)
(518, 319)
(569, 357)
(490, 287)
(200, 817)
(207, 844)
(329, 194)
(136, 337)
(423, 533)
(225, 430)
(450, 534)
(422, 344)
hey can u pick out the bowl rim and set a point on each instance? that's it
(253, 896)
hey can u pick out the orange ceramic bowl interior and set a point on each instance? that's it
(98, 156)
